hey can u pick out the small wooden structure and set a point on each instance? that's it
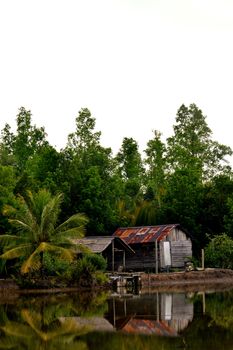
(113, 249)
(156, 247)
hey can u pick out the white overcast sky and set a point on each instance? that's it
(131, 62)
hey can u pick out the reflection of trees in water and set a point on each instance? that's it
(33, 335)
(220, 307)
(46, 323)
(65, 322)
(118, 341)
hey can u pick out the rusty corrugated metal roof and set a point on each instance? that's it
(149, 327)
(144, 234)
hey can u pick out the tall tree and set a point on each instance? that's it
(27, 140)
(194, 158)
(192, 146)
(93, 188)
(6, 146)
(130, 166)
(182, 202)
(156, 163)
(216, 209)
(85, 135)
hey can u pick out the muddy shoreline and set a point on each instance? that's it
(208, 279)
(193, 281)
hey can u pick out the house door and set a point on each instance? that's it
(165, 256)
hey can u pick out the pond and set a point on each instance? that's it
(159, 320)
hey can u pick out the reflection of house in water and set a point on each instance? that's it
(162, 314)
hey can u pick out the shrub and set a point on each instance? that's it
(53, 266)
(219, 252)
(85, 270)
(101, 278)
(97, 261)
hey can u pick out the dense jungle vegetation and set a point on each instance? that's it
(185, 180)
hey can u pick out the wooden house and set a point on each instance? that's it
(112, 248)
(156, 247)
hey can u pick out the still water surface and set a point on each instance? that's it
(161, 321)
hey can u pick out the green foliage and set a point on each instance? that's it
(129, 159)
(219, 252)
(53, 266)
(186, 180)
(220, 307)
(156, 161)
(97, 261)
(101, 278)
(38, 231)
(215, 208)
(7, 184)
(192, 148)
(89, 170)
(88, 270)
(27, 140)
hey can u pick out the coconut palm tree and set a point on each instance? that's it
(36, 220)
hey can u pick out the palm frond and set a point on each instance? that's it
(81, 248)
(6, 239)
(17, 252)
(8, 343)
(23, 219)
(76, 220)
(64, 253)
(49, 215)
(75, 232)
(37, 202)
(20, 225)
(33, 263)
(16, 329)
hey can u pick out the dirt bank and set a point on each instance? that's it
(194, 279)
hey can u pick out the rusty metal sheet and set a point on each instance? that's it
(149, 327)
(144, 234)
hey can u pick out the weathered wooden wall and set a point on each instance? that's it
(180, 252)
(144, 258)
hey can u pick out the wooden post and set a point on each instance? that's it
(203, 303)
(156, 257)
(157, 305)
(125, 309)
(202, 259)
(123, 260)
(114, 313)
(113, 255)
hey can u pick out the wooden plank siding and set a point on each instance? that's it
(143, 241)
(180, 252)
(143, 259)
